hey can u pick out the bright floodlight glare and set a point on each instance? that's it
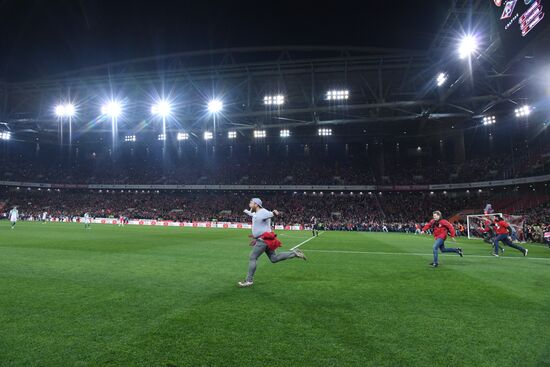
(60, 110)
(523, 111)
(276, 100)
(162, 108)
(130, 138)
(231, 134)
(215, 106)
(70, 110)
(337, 95)
(161, 137)
(5, 135)
(468, 45)
(441, 79)
(182, 136)
(489, 120)
(208, 135)
(325, 132)
(65, 110)
(284, 133)
(259, 134)
(112, 109)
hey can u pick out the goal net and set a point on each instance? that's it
(477, 224)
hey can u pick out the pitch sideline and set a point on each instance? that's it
(306, 241)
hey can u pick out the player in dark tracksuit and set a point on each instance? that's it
(440, 229)
(503, 231)
(314, 227)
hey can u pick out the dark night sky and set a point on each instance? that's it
(41, 37)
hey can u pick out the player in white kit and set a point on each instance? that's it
(87, 220)
(44, 217)
(14, 216)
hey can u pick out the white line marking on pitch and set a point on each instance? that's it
(304, 242)
(420, 254)
(293, 237)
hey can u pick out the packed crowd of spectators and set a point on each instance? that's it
(538, 223)
(390, 211)
(276, 171)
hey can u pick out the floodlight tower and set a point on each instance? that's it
(112, 109)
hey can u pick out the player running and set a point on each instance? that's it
(440, 229)
(503, 230)
(14, 217)
(44, 217)
(87, 220)
(264, 240)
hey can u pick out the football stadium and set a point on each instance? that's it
(215, 184)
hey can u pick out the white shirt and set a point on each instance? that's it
(14, 215)
(261, 221)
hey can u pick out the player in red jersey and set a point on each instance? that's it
(440, 229)
(503, 229)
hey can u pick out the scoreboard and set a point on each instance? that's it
(519, 21)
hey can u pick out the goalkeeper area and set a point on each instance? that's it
(152, 296)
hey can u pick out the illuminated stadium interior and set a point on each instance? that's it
(129, 150)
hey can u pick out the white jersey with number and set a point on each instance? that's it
(14, 215)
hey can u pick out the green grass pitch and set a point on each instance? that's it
(146, 296)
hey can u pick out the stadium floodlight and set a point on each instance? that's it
(130, 138)
(284, 133)
(259, 134)
(208, 135)
(523, 111)
(70, 110)
(231, 134)
(112, 109)
(161, 137)
(276, 100)
(325, 132)
(215, 106)
(60, 110)
(5, 135)
(441, 79)
(468, 45)
(337, 95)
(65, 110)
(489, 120)
(161, 108)
(182, 136)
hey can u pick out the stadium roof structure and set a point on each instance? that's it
(384, 85)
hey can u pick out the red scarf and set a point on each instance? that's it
(270, 239)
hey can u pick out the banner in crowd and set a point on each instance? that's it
(167, 223)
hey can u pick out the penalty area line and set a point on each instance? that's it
(421, 254)
(304, 242)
